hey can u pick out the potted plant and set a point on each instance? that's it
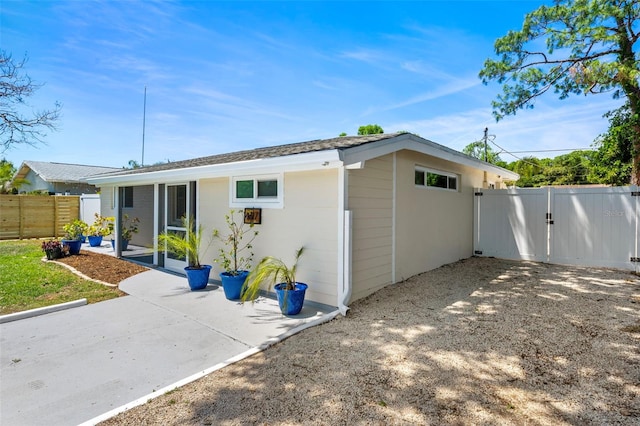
(99, 229)
(186, 245)
(234, 263)
(128, 227)
(73, 235)
(52, 248)
(270, 270)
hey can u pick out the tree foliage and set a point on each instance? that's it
(19, 124)
(613, 159)
(572, 47)
(370, 129)
(7, 170)
(479, 150)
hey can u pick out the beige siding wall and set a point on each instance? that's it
(309, 218)
(370, 198)
(433, 226)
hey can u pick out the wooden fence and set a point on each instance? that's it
(36, 216)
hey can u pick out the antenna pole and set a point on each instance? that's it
(486, 130)
(144, 118)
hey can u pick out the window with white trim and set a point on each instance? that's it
(127, 199)
(256, 191)
(435, 179)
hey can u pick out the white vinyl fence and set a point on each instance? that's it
(89, 206)
(577, 226)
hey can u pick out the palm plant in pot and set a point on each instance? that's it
(271, 270)
(234, 262)
(186, 245)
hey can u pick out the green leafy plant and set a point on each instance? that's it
(231, 256)
(271, 271)
(101, 226)
(128, 228)
(74, 230)
(184, 244)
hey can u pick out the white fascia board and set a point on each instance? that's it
(289, 163)
(411, 142)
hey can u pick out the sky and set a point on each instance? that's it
(223, 76)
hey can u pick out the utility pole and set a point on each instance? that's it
(486, 136)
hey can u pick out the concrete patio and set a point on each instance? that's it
(87, 363)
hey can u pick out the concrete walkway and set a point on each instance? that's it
(70, 367)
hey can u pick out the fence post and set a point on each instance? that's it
(21, 225)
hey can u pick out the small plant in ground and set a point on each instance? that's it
(231, 258)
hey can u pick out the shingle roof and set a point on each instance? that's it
(341, 142)
(61, 172)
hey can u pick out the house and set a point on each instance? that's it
(370, 210)
(58, 178)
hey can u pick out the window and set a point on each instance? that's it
(257, 191)
(436, 179)
(127, 198)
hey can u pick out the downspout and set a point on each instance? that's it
(394, 220)
(117, 222)
(156, 221)
(344, 245)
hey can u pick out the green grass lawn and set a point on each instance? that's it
(26, 282)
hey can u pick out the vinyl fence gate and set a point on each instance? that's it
(575, 226)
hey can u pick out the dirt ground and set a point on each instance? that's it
(102, 267)
(480, 341)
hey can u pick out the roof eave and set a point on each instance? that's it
(288, 163)
(416, 143)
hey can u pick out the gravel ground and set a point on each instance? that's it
(480, 341)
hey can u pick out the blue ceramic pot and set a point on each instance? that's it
(95, 241)
(232, 284)
(74, 245)
(198, 278)
(291, 301)
(125, 244)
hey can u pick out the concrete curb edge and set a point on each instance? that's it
(41, 311)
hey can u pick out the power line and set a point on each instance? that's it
(553, 150)
(540, 166)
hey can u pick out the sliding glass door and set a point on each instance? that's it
(177, 205)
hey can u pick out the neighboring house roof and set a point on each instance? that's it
(61, 172)
(315, 154)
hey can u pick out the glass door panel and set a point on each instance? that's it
(176, 207)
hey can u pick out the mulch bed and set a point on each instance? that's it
(103, 267)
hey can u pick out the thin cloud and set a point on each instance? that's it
(225, 102)
(364, 55)
(581, 124)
